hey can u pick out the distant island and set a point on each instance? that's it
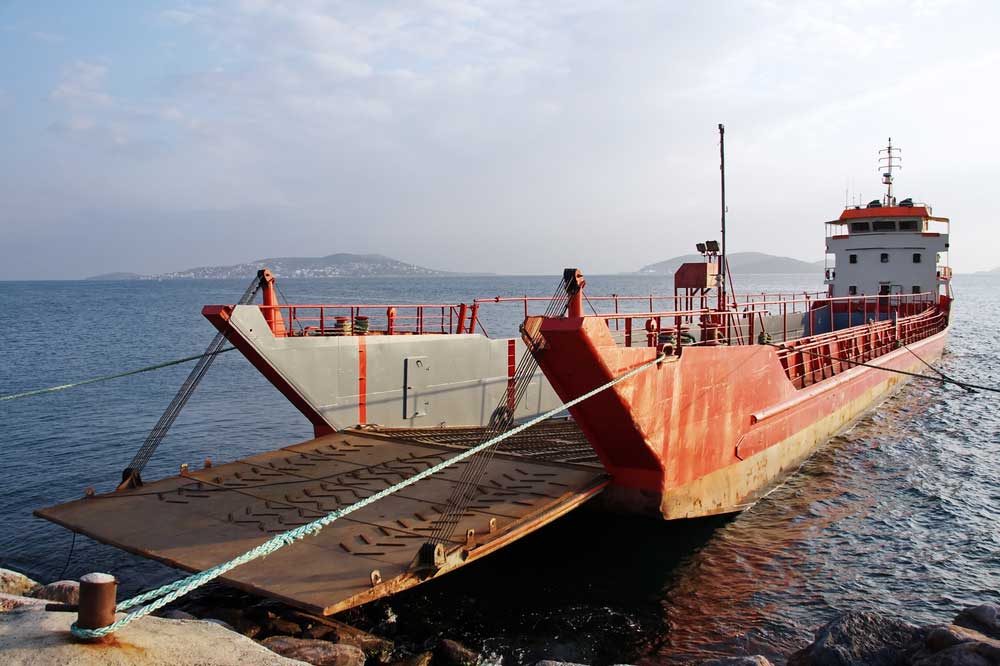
(741, 262)
(333, 265)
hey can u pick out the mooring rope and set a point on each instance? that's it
(165, 594)
(93, 380)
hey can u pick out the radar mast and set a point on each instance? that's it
(886, 163)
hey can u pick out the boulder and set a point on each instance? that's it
(16, 584)
(329, 629)
(317, 653)
(422, 659)
(30, 636)
(61, 591)
(321, 632)
(453, 653)
(9, 602)
(177, 614)
(283, 627)
(857, 638)
(984, 618)
(952, 645)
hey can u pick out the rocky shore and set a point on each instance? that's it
(218, 625)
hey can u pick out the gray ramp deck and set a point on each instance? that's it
(203, 518)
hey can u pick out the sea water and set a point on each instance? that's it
(898, 515)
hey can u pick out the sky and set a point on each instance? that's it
(500, 136)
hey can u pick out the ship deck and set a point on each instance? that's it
(202, 518)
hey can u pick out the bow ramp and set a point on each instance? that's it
(199, 519)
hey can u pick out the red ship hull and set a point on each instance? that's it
(712, 429)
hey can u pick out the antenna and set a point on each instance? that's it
(886, 165)
(722, 257)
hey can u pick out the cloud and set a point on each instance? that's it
(82, 85)
(517, 135)
(46, 37)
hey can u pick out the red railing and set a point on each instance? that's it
(446, 318)
(757, 321)
(369, 319)
(812, 359)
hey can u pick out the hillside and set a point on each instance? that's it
(741, 262)
(334, 265)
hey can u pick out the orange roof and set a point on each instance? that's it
(885, 211)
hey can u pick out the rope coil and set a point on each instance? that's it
(165, 594)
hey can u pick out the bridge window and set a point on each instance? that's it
(883, 225)
(859, 226)
(852, 290)
(907, 225)
(853, 259)
(884, 258)
(884, 290)
(916, 289)
(917, 257)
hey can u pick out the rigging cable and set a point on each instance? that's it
(92, 380)
(131, 475)
(502, 419)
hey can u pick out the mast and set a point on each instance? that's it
(891, 154)
(723, 268)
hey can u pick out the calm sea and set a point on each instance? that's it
(900, 514)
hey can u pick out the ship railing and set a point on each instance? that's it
(766, 320)
(634, 305)
(812, 359)
(496, 313)
(344, 319)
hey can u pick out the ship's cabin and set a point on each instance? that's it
(878, 250)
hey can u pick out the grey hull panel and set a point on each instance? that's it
(398, 380)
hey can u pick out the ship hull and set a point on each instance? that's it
(712, 431)
(411, 381)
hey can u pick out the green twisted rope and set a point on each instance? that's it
(105, 378)
(173, 591)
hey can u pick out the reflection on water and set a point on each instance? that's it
(898, 515)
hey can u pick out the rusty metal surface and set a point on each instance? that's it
(556, 440)
(200, 519)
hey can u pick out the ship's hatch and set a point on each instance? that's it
(206, 517)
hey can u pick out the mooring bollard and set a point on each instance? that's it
(98, 597)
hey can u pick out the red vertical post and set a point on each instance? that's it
(463, 310)
(473, 317)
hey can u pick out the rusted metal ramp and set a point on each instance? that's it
(203, 518)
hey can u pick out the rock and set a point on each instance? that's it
(984, 618)
(16, 584)
(222, 623)
(553, 662)
(31, 636)
(952, 645)
(373, 646)
(321, 632)
(9, 602)
(61, 591)
(857, 638)
(751, 660)
(422, 659)
(452, 653)
(280, 625)
(317, 653)
(177, 614)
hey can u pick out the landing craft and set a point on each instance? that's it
(704, 400)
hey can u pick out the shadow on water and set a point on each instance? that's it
(585, 589)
